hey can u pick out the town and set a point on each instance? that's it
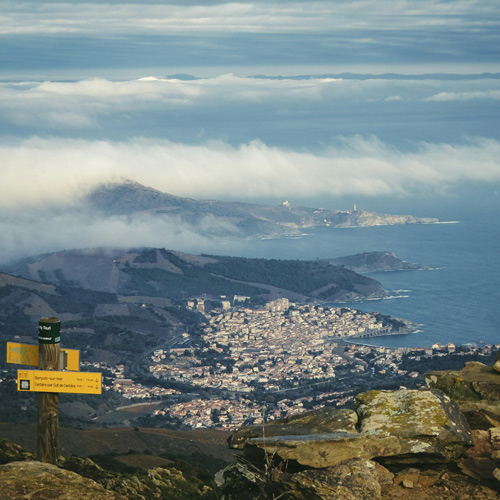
(268, 363)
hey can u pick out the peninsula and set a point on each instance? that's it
(235, 219)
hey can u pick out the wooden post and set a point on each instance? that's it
(48, 403)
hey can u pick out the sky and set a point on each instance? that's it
(392, 105)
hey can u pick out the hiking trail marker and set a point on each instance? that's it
(52, 381)
(49, 380)
(27, 354)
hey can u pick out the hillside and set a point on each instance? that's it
(202, 444)
(232, 218)
(120, 301)
(124, 303)
(173, 275)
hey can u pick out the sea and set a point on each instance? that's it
(457, 300)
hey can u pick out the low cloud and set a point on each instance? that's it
(49, 172)
(28, 233)
(464, 96)
(143, 106)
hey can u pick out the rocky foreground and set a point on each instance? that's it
(437, 443)
(442, 442)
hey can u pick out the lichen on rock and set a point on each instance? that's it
(427, 423)
(475, 389)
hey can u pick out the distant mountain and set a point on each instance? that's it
(237, 219)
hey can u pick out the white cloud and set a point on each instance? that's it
(81, 104)
(43, 181)
(29, 233)
(49, 171)
(98, 102)
(464, 96)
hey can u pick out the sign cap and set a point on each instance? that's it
(49, 331)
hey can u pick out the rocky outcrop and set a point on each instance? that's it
(475, 389)
(10, 452)
(413, 426)
(322, 421)
(350, 455)
(354, 479)
(31, 479)
(77, 478)
(427, 424)
(320, 438)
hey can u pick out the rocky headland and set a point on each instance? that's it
(371, 262)
(233, 218)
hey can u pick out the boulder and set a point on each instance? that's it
(477, 467)
(319, 438)
(10, 452)
(354, 479)
(322, 421)
(31, 479)
(475, 389)
(413, 426)
(241, 482)
(321, 450)
(427, 424)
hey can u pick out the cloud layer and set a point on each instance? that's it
(246, 16)
(43, 181)
(73, 35)
(287, 111)
(52, 171)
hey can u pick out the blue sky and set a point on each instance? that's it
(393, 105)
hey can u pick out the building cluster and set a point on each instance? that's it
(235, 413)
(132, 390)
(127, 387)
(221, 413)
(275, 347)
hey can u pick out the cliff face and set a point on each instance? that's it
(437, 443)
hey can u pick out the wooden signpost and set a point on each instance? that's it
(49, 381)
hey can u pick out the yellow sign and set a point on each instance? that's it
(54, 381)
(27, 354)
(22, 354)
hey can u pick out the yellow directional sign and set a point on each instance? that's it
(54, 381)
(27, 354)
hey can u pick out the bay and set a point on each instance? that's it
(456, 301)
